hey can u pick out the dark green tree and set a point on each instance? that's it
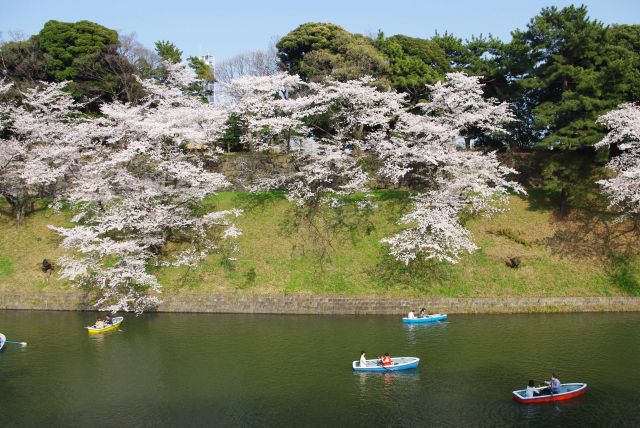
(318, 50)
(83, 52)
(570, 69)
(203, 84)
(624, 66)
(69, 46)
(203, 70)
(231, 139)
(479, 56)
(168, 51)
(413, 63)
(23, 62)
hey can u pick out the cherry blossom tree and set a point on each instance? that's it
(137, 192)
(41, 150)
(366, 123)
(624, 130)
(423, 150)
(271, 108)
(326, 154)
(458, 102)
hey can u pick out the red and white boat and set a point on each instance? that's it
(567, 392)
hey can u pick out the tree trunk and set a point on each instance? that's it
(18, 209)
(21, 213)
(289, 141)
(564, 202)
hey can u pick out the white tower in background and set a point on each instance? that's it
(210, 60)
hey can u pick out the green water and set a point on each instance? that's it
(261, 370)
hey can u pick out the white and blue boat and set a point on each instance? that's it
(423, 320)
(397, 364)
(3, 338)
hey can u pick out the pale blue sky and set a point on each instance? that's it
(231, 27)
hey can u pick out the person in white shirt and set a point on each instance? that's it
(363, 360)
(531, 391)
(411, 315)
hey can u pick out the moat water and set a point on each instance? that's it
(280, 371)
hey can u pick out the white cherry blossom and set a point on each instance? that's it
(624, 130)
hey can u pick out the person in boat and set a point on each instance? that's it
(411, 315)
(531, 391)
(385, 360)
(554, 385)
(107, 320)
(99, 323)
(423, 313)
(363, 359)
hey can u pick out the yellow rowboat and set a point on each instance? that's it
(115, 323)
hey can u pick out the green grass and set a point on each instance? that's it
(284, 249)
(6, 267)
(22, 248)
(626, 276)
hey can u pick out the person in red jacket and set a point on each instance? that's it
(386, 360)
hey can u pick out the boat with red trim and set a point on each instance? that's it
(567, 392)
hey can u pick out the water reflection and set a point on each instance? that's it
(414, 330)
(370, 382)
(99, 339)
(556, 409)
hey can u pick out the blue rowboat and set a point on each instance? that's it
(398, 363)
(428, 318)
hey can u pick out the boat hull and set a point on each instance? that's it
(2, 340)
(398, 364)
(114, 326)
(568, 391)
(425, 320)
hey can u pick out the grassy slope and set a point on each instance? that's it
(347, 257)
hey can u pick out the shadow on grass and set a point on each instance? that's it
(419, 275)
(37, 206)
(595, 234)
(242, 200)
(391, 195)
(625, 275)
(251, 200)
(541, 200)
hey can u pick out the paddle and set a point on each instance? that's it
(16, 343)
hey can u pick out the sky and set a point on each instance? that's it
(228, 28)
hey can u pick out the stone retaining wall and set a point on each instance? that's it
(323, 304)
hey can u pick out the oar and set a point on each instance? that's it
(16, 343)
